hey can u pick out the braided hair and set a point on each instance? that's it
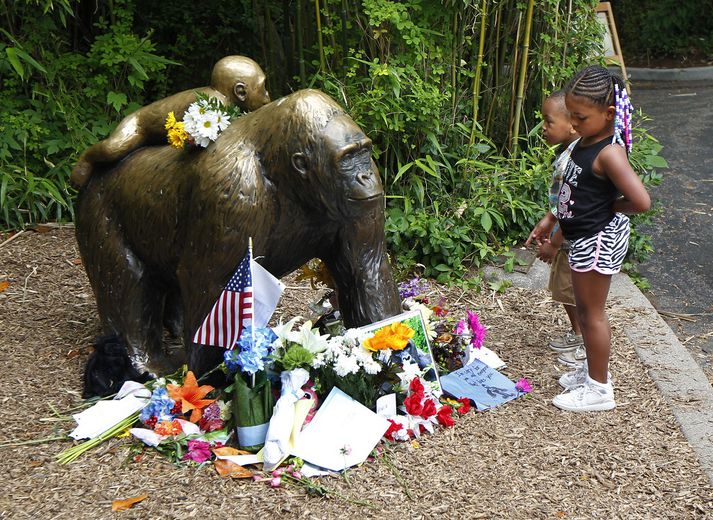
(605, 88)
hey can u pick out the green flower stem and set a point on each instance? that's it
(74, 452)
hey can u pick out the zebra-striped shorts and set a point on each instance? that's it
(603, 252)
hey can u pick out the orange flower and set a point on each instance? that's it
(394, 337)
(190, 395)
(168, 428)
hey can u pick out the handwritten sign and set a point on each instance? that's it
(483, 385)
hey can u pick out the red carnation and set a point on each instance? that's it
(429, 409)
(465, 405)
(445, 416)
(413, 404)
(416, 386)
(393, 428)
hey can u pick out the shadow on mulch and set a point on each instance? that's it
(523, 460)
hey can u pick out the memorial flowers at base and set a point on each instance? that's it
(181, 421)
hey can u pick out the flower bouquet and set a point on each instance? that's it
(181, 422)
(251, 389)
(202, 122)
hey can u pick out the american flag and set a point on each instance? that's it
(232, 312)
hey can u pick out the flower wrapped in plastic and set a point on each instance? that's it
(252, 392)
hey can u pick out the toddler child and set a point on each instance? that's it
(551, 247)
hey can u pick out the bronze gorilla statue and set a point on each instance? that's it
(296, 175)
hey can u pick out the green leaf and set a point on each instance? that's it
(486, 221)
(29, 59)
(138, 68)
(656, 161)
(12, 57)
(116, 100)
(427, 169)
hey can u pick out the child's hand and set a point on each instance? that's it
(546, 252)
(542, 229)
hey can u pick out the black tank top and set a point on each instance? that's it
(585, 203)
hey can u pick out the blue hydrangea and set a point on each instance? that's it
(250, 357)
(160, 406)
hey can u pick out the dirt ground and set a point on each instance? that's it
(523, 460)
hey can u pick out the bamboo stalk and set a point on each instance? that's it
(454, 52)
(287, 46)
(343, 35)
(522, 75)
(267, 23)
(494, 72)
(332, 37)
(513, 83)
(478, 68)
(320, 43)
(300, 47)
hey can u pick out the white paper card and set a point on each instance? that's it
(485, 355)
(241, 460)
(342, 433)
(386, 405)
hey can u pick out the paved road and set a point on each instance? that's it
(681, 270)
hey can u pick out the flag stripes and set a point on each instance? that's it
(232, 312)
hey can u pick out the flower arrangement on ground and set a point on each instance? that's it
(181, 422)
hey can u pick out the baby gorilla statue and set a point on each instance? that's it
(234, 80)
(108, 367)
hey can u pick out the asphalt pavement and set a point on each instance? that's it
(681, 269)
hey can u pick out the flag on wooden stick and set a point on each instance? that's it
(232, 312)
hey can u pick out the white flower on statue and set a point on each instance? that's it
(203, 123)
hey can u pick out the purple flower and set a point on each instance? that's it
(212, 412)
(524, 386)
(198, 451)
(412, 287)
(461, 328)
(479, 332)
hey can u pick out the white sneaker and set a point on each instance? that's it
(573, 358)
(592, 396)
(578, 377)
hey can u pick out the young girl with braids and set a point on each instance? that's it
(598, 188)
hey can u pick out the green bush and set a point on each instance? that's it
(54, 102)
(659, 28)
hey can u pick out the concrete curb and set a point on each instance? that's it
(681, 381)
(682, 74)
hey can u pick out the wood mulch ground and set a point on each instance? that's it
(523, 460)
